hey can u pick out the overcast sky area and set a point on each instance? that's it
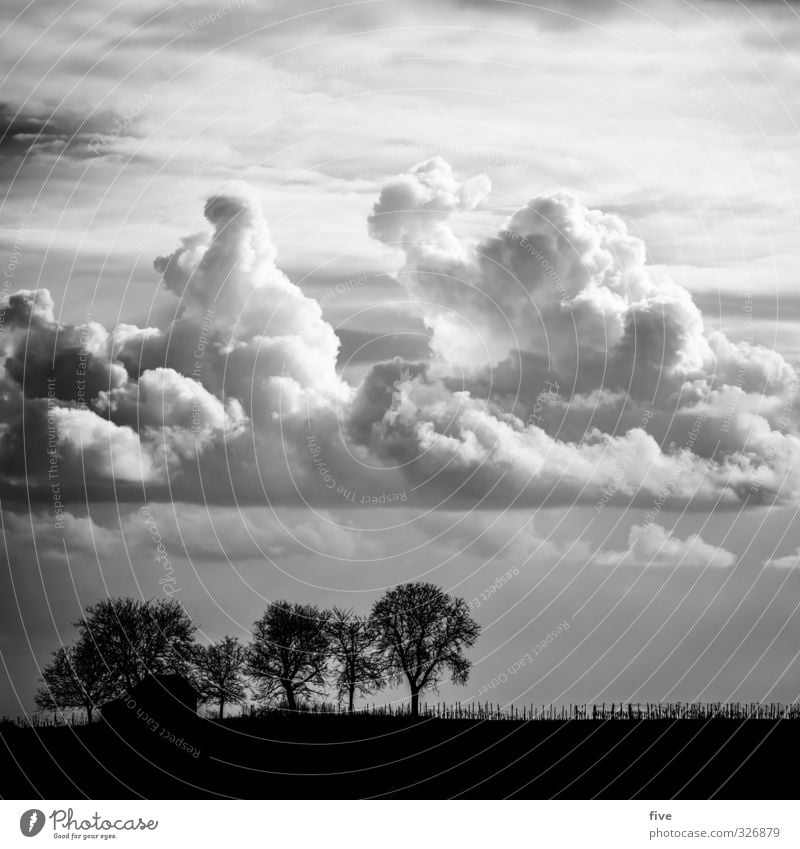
(497, 295)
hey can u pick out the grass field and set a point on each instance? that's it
(334, 756)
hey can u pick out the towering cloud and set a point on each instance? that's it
(561, 283)
(563, 368)
(561, 355)
(248, 357)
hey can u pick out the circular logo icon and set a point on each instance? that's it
(31, 822)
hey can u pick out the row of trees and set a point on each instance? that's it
(415, 634)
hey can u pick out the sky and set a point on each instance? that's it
(499, 295)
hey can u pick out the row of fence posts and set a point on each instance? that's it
(563, 713)
(494, 712)
(41, 720)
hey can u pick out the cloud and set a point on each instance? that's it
(788, 561)
(163, 398)
(558, 281)
(563, 369)
(236, 374)
(563, 296)
(237, 534)
(28, 133)
(269, 338)
(87, 441)
(652, 545)
(413, 209)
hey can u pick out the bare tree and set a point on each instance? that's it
(424, 632)
(355, 652)
(289, 652)
(218, 670)
(77, 677)
(136, 638)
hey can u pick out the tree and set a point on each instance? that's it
(289, 652)
(354, 649)
(136, 638)
(76, 677)
(219, 670)
(423, 632)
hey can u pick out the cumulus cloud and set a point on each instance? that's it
(413, 209)
(256, 315)
(788, 561)
(558, 281)
(43, 356)
(563, 360)
(247, 359)
(163, 400)
(564, 368)
(652, 545)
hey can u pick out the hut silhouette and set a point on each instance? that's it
(168, 700)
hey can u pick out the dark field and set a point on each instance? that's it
(369, 756)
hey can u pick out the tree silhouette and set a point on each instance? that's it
(354, 650)
(136, 638)
(289, 651)
(423, 632)
(219, 669)
(78, 677)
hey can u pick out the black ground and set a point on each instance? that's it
(344, 757)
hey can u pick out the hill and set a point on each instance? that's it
(371, 756)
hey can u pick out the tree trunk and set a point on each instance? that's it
(221, 707)
(414, 703)
(89, 713)
(350, 704)
(290, 699)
